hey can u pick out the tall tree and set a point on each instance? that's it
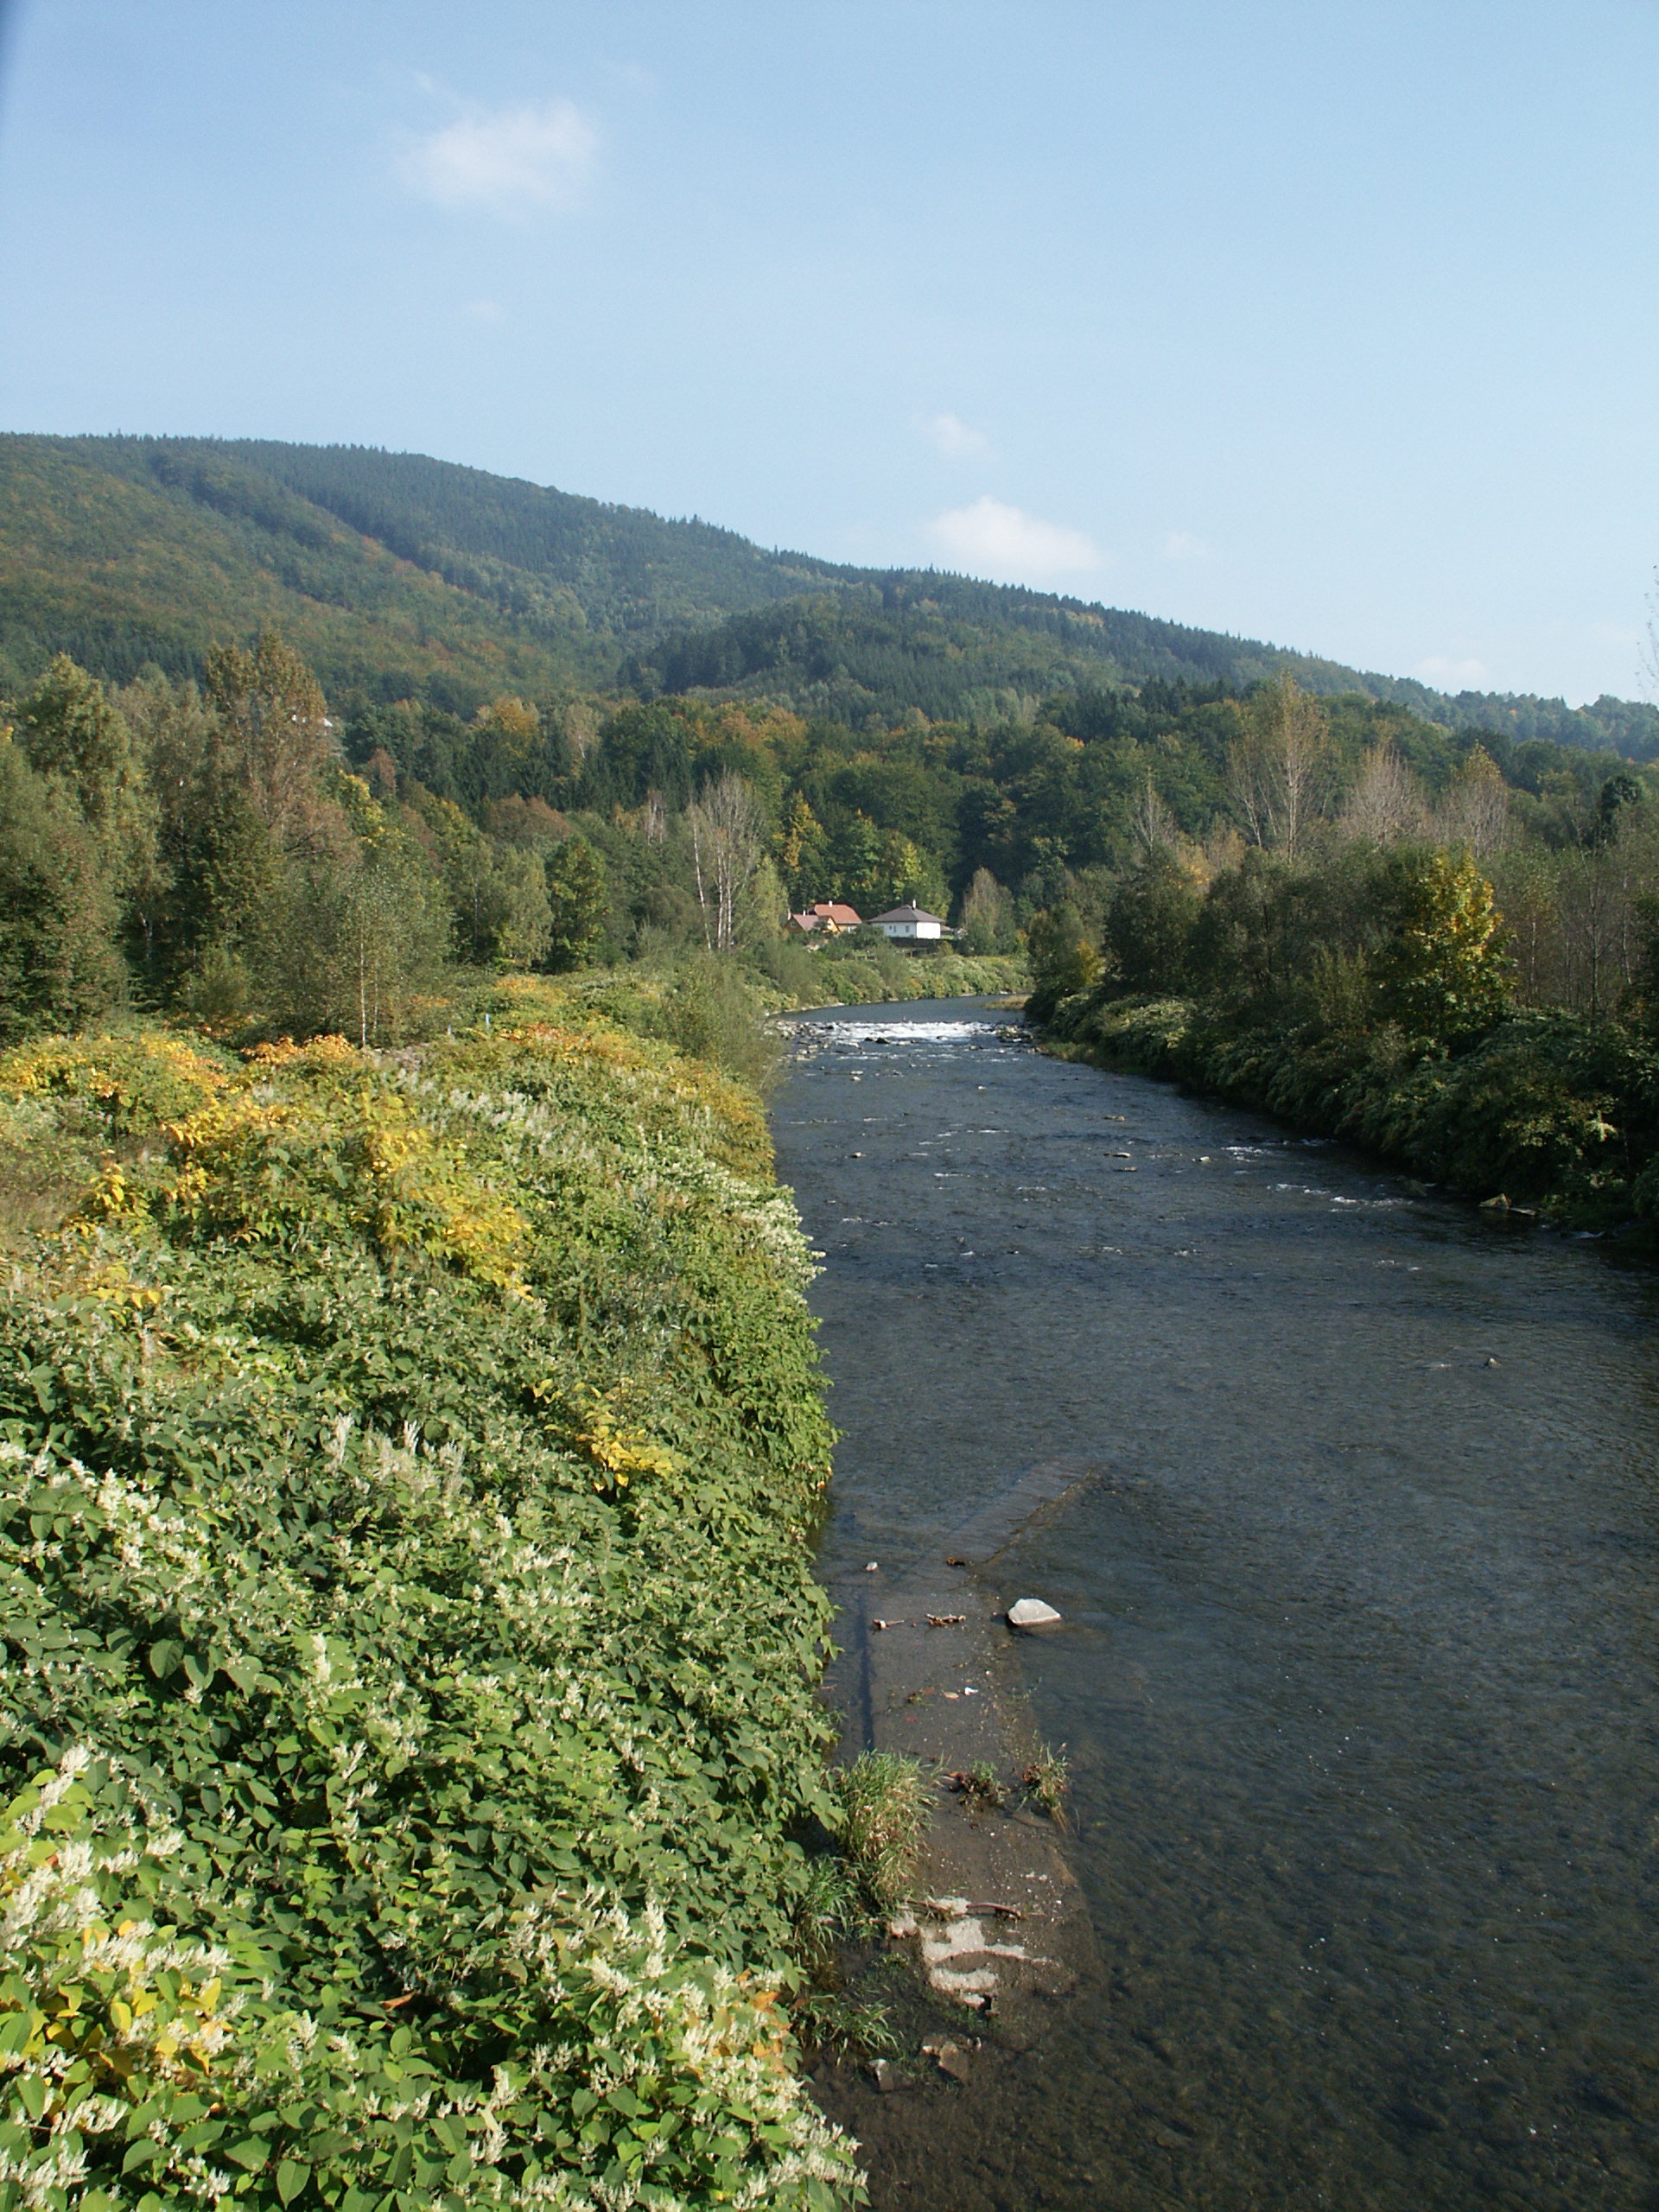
(69, 726)
(276, 732)
(59, 966)
(576, 891)
(1475, 809)
(1279, 771)
(1444, 970)
(728, 833)
(1385, 801)
(986, 918)
(802, 854)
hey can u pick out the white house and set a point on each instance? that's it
(910, 925)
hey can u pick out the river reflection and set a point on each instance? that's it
(1358, 1678)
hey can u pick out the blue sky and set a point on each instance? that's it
(1334, 324)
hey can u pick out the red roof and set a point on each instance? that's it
(827, 913)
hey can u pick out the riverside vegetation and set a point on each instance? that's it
(407, 1472)
(1470, 988)
(409, 1452)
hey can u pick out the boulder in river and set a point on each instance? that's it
(1032, 1613)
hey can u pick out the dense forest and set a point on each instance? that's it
(1457, 970)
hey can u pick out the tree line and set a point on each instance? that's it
(234, 850)
(1322, 877)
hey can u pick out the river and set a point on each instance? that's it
(1358, 1681)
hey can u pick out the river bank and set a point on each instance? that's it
(1545, 1110)
(1356, 1670)
(407, 1469)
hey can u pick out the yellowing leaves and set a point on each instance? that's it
(135, 1082)
(89, 2008)
(318, 1136)
(615, 1447)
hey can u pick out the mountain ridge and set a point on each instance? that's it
(399, 575)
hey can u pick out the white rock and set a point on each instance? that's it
(1032, 1612)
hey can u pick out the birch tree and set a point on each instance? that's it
(274, 730)
(1278, 772)
(1385, 803)
(1475, 809)
(728, 836)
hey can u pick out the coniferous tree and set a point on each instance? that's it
(59, 965)
(576, 891)
(69, 726)
(274, 727)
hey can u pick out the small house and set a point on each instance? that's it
(827, 917)
(911, 925)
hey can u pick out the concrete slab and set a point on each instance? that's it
(1000, 1925)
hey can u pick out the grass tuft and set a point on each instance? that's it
(1047, 1778)
(884, 1808)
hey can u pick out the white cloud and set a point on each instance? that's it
(989, 538)
(1181, 545)
(955, 439)
(1448, 675)
(513, 161)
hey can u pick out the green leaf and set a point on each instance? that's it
(291, 2178)
(253, 2152)
(163, 1658)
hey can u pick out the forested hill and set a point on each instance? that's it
(396, 576)
(399, 577)
(955, 647)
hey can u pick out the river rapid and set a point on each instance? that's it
(1358, 1681)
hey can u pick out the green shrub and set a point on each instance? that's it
(1546, 1107)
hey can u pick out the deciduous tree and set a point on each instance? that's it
(728, 843)
(1443, 970)
(1279, 771)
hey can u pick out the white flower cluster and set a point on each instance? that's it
(86, 1977)
(657, 1165)
(663, 2022)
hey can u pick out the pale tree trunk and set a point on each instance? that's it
(728, 845)
(1279, 774)
(1475, 809)
(1386, 802)
(1151, 824)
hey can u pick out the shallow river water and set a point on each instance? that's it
(1358, 1679)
